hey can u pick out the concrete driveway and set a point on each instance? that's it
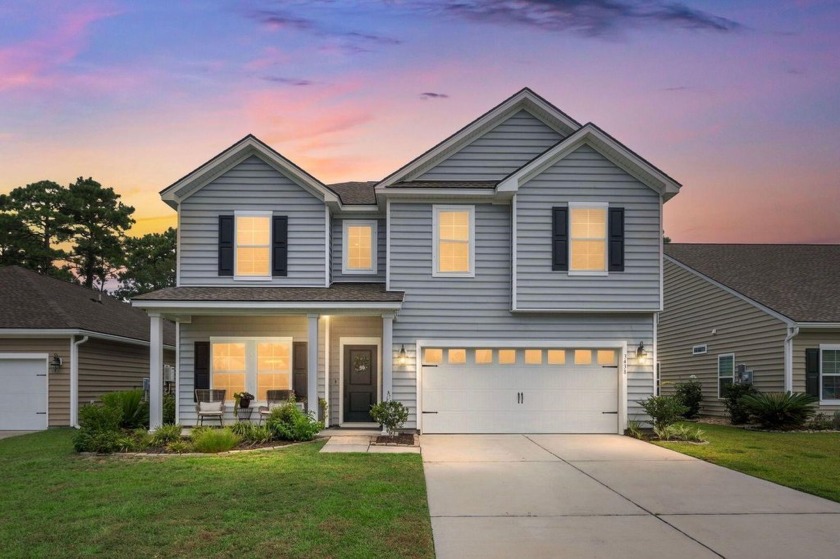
(7, 434)
(610, 496)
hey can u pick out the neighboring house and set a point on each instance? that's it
(502, 281)
(773, 308)
(62, 346)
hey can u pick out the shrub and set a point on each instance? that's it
(166, 434)
(180, 447)
(214, 440)
(289, 423)
(96, 417)
(780, 410)
(104, 442)
(252, 434)
(634, 429)
(690, 394)
(820, 422)
(169, 409)
(390, 414)
(134, 411)
(732, 401)
(680, 432)
(835, 420)
(663, 410)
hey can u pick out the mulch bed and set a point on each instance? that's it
(403, 439)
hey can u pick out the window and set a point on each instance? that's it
(726, 372)
(556, 356)
(533, 357)
(457, 356)
(253, 365)
(253, 245)
(830, 372)
(583, 357)
(587, 238)
(454, 244)
(507, 357)
(432, 356)
(359, 247)
(484, 357)
(607, 357)
(700, 349)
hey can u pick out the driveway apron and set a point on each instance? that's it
(558, 496)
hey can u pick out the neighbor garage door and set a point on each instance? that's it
(23, 396)
(517, 390)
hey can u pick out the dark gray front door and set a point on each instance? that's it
(359, 382)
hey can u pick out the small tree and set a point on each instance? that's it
(391, 414)
(733, 396)
(663, 410)
(690, 394)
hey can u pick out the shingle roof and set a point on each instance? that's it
(801, 282)
(444, 184)
(30, 300)
(360, 192)
(336, 293)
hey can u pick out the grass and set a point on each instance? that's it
(808, 462)
(288, 503)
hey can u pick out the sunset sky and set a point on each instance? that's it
(739, 101)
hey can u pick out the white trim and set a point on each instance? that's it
(699, 349)
(425, 193)
(63, 332)
(327, 369)
(829, 347)
(265, 305)
(312, 352)
(46, 358)
(74, 379)
(436, 209)
(177, 372)
(35, 355)
(590, 206)
(717, 372)
(731, 291)
(514, 265)
(655, 354)
(236, 215)
(587, 310)
(349, 340)
(792, 332)
(661, 255)
(374, 245)
(178, 250)
(327, 252)
(819, 325)
(250, 343)
(387, 245)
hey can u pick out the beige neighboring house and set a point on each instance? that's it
(62, 346)
(773, 308)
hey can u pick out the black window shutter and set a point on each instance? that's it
(560, 239)
(226, 245)
(201, 365)
(279, 245)
(616, 240)
(812, 372)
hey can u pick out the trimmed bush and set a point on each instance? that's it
(780, 410)
(99, 429)
(134, 412)
(733, 402)
(290, 423)
(663, 410)
(169, 409)
(391, 415)
(251, 433)
(690, 394)
(166, 434)
(180, 447)
(214, 440)
(680, 432)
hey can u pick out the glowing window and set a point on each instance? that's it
(253, 365)
(533, 357)
(457, 356)
(556, 356)
(588, 239)
(274, 368)
(607, 357)
(229, 368)
(453, 242)
(432, 356)
(359, 247)
(583, 357)
(484, 357)
(507, 356)
(253, 245)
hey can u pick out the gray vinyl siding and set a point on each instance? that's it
(497, 153)
(587, 176)
(337, 253)
(811, 339)
(353, 327)
(202, 328)
(106, 366)
(252, 185)
(58, 384)
(693, 308)
(479, 308)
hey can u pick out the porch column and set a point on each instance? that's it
(312, 365)
(155, 371)
(387, 356)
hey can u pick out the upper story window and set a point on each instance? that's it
(359, 247)
(587, 238)
(454, 241)
(253, 245)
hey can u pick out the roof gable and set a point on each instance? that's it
(249, 146)
(606, 145)
(525, 100)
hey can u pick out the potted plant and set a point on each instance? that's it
(242, 399)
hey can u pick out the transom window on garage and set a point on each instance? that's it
(519, 356)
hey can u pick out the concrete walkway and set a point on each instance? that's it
(610, 496)
(361, 443)
(7, 434)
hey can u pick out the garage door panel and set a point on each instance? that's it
(23, 399)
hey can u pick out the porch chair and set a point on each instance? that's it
(275, 399)
(210, 403)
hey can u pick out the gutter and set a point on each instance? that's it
(793, 331)
(74, 380)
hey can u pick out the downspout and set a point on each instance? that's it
(792, 333)
(74, 381)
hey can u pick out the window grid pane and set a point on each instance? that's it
(484, 356)
(556, 356)
(588, 246)
(830, 359)
(607, 357)
(253, 245)
(507, 357)
(432, 356)
(453, 241)
(229, 368)
(359, 249)
(457, 356)
(583, 357)
(533, 357)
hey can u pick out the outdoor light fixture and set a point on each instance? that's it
(55, 363)
(402, 359)
(640, 351)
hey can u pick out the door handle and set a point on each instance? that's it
(523, 398)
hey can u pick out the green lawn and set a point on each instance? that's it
(809, 462)
(288, 503)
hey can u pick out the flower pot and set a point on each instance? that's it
(243, 403)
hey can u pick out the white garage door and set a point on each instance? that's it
(23, 396)
(499, 390)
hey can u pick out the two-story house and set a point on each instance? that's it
(508, 280)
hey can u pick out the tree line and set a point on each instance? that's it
(78, 233)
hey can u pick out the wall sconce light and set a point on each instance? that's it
(55, 363)
(640, 351)
(402, 358)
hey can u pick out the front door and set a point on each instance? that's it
(360, 373)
